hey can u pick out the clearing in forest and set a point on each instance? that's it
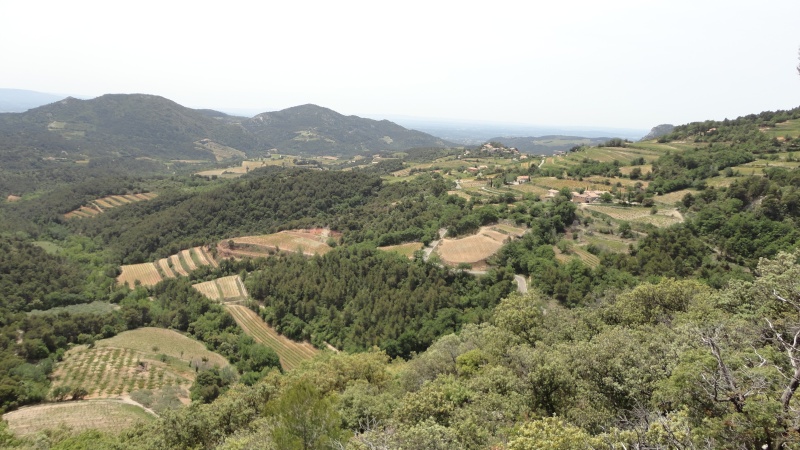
(291, 353)
(104, 415)
(307, 242)
(477, 248)
(99, 205)
(143, 359)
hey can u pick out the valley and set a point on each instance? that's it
(476, 293)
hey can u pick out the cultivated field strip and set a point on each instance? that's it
(291, 353)
(209, 289)
(229, 287)
(163, 263)
(209, 257)
(201, 256)
(145, 273)
(588, 258)
(99, 205)
(177, 266)
(223, 289)
(186, 256)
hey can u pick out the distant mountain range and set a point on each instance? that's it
(547, 145)
(138, 125)
(19, 100)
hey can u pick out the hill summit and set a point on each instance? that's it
(139, 125)
(317, 130)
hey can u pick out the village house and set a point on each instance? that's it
(523, 179)
(587, 196)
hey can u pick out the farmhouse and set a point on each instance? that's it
(587, 196)
(523, 179)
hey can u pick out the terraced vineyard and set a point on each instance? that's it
(99, 205)
(291, 353)
(146, 274)
(180, 264)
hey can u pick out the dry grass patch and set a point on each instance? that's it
(104, 415)
(291, 353)
(406, 249)
(145, 273)
(673, 197)
(663, 218)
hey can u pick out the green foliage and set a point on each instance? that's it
(304, 419)
(356, 297)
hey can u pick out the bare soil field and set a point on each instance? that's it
(145, 273)
(104, 415)
(472, 249)
(291, 353)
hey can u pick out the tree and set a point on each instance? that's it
(304, 418)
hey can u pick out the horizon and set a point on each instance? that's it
(621, 64)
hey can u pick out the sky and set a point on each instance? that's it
(611, 63)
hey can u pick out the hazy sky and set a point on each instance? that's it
(612, 63)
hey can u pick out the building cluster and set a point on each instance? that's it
(577, 197)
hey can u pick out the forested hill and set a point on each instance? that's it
(311, 129)
(118, 125)
(138, 125)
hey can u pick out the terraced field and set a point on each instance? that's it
(291, 353)
(145, 273)
(179, 264)
(101, 204)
